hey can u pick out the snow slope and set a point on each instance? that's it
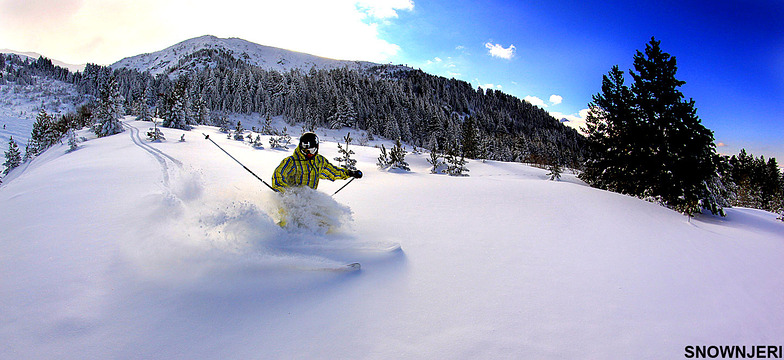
(266, 57)
(169, 250)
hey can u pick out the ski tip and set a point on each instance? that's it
(394, 247)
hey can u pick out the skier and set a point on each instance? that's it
(305, 167)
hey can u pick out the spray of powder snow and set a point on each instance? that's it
(192, 230)
(305, 210)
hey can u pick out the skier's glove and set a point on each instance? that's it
(355, 174)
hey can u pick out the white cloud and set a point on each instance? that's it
(104, 31)
(535, 101)
(497, 50)
(575, 121)
(554, 100)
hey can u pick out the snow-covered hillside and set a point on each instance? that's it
(125, 248)
(20, 104)
(266, 57)
(34, 56)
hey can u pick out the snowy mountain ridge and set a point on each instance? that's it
(269, 58)
(35, 56)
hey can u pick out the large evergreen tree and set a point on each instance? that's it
(647, 140)
(611, 129)
(109, 109)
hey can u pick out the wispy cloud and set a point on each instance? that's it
(384, 9)
(443, 66)
(499, 51)
(491, 86)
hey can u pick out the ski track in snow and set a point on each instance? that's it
(160, 156)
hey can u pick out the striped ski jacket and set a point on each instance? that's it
(296, 170)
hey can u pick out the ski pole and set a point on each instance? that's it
(344, 185)
(238, 162)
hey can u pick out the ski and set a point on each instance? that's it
(349, 267)
(342, 268)
(383, 248)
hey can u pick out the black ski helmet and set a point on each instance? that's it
(309, 143)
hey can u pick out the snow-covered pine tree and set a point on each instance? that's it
(109, 109)
(143, 107)
(155, 134)
(455, 165)
(200, 111)
(345, 159)
(397, 157)
(280, 140)
(383, 159)
(238, 132)
(42, 136)
(72, 142)
(177, 114)
(435, 160)
(13, 158)
(266, 126)
(555, 171)
(257, 143)
(274, 143)
(223, 124)
(285, 138)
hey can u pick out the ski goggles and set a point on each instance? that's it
(311, 150)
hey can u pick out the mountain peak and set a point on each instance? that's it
(180, 57)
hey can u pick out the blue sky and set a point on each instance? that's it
(552, 53)
(731, 54)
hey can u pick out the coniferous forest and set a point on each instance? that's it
(388, 101)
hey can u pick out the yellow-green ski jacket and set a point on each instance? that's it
(296, 170)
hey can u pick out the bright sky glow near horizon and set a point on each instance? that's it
(551, 53)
